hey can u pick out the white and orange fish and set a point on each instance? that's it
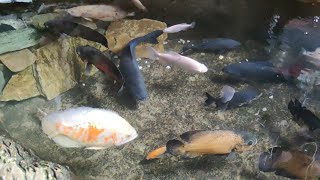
(179, 27)
(99, 12)
(87, 127)
(173, 58)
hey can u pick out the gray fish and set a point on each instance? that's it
(134, 80)
(229, 98)
(217, 45)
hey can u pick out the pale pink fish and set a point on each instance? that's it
(179, 27)
(313, 57)
(99, 12)
(87, 127)
(173, 58)
(139, 5)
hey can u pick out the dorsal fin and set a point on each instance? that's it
(188, 136)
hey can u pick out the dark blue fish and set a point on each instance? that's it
(134, 80)
(255, 71)
(6, 27)
(303, 116)
(217, 45)
(76, 30)
(229, 98)
(94, 57)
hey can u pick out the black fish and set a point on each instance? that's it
(303, 116)
(6, 27)
(217, 45)
(94, 57)
(263, 71)
(76, 30)
(229, 98)
(134, 81)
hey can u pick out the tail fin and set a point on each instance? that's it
(295, 108)
(174, 147)
(210, 100)
(156, 153)
(227, 93)
(193, 24)
(152, 53)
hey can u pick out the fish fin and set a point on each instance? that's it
(66, 142)
(88, 69)
(175, 147)
(156, 153)
(131, 14)
(210, 100)
(121, 90)
(266, 162)
(192, 155)
(95, 148)
(88, 19)
(188, 136)
(227, 93)
(193, 24)
(231, 155)
(152, 53)
(284, 173)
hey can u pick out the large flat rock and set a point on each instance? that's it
(58, 66)
(121, 32)
(21, 86)
(19, 60)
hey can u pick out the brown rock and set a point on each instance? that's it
(19, 60)
(121, 32)
(58, 67)
(21, 86)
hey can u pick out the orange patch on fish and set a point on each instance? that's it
(156, 153)
(78, 133)
(67, 130)
(93, 132)
(58, 125)
(114, 137)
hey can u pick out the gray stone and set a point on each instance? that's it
(5, 75)
(17, 163)
(19, 60)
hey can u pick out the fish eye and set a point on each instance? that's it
(250, 143)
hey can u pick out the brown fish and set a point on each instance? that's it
(99, 12)
(198, 143)
(289, 163)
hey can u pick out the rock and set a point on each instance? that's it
(19, 60)
(17, 163)
(58, 67)
(5, 75)
(121, 32)
(21, 86)
(39, 20)
(18, 39)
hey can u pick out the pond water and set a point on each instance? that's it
(176, 101)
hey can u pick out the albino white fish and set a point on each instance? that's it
(179, 27)
(173, 58)
(87, 127)
(312, 57)
(99, 12)
(139, 5)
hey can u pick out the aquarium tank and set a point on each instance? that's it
(159, 89)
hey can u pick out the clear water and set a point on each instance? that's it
(175, 105)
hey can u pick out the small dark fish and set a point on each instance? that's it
(303, 116)
(76, 30)
(6, 27)
(289, 163)
(229, 98)
(94, 57)
(199, 143)
(134, 80)
(217, 45)
(263, 71)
